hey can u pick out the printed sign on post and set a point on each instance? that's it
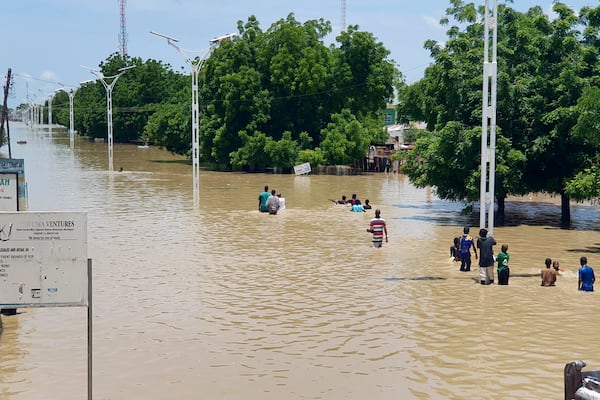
(302, 169)
(43, 259)
(9, 200)
(14, 168)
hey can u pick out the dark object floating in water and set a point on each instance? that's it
(418, 278)
(21, 141)
(525, 275)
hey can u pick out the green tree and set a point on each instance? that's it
(283, 153)
(344, 139)
(363, 73)
(278, 87)
(543, 66)
(252, 155)
(60, 108)
(439, 160)
(585, 185)
(170, 127)
(137, 94)
(286, 80)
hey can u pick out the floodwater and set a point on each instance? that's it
(222, 302)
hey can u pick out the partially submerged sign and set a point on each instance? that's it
(302, 169)
(13, 173)
(43, 259)
(9, 198)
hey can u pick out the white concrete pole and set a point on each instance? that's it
(488, 119)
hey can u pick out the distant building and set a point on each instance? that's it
(378, 157)
(397, 131)
(389, 115)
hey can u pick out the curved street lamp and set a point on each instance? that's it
(195, 65)
(109, 83)
(71, 94)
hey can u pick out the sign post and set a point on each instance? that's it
(43, 263)
(302, 169)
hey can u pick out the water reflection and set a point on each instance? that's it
(221, 301)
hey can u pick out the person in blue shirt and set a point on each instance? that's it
(464, 249)
(586, 276)
(357, 207)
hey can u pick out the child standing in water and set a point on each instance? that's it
(503, 270)
(455, 250)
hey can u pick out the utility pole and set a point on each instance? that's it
(4, 114)
(488, 119)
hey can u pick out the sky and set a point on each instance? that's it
(45, 42)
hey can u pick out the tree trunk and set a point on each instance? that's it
(501, 207)
(565, 210)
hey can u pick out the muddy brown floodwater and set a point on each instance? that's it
(222, 302)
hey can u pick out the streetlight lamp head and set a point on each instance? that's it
(165, 36)
(88, 68)
(126, 68)
(221, 38)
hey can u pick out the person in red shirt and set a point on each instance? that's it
(378, 228)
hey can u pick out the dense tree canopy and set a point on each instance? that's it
(544, 65)
(286, 81)
(267, 98)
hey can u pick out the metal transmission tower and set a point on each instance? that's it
(343, 17)
(488, 119)
(123, 32)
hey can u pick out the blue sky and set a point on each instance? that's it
(46, 41)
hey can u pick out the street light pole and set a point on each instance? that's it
(109, 83)
(488, 119)
(71, 119)
(50, 97)
(71, 94)
(195, 65)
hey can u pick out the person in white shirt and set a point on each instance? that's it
(281, 201)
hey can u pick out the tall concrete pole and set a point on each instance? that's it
(488, 119)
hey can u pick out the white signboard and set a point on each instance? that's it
(302, 169)
(43, 259)
(9, 200)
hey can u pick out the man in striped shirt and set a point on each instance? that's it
(378, 229)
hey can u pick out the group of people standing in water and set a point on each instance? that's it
(460, 251)
(270, 202)
(377, 226)
(355, 203)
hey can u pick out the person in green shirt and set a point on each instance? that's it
(503, 270)
(262, 200)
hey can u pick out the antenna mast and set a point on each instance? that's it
(343, 17)
(123, 32)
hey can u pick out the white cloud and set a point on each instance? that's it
(432, 22)
(49, 76)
